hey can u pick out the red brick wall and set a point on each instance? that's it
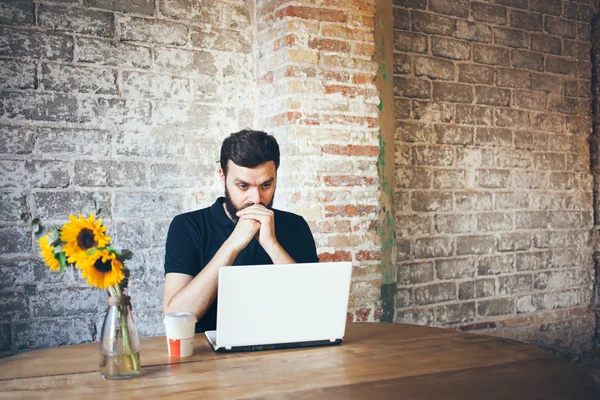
(317, 94)
(493, 186)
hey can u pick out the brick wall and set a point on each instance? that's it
(129, 99)
(317, 93)
(493, 187)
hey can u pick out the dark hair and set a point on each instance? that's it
(249, 149)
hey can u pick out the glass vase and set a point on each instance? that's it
(119, 343)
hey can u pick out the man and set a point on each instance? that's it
(240, 229)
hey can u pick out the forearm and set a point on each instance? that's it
(198, 295)
(278, 254)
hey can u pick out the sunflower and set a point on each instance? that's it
(81, 235)
(48, 253)
(102, 269)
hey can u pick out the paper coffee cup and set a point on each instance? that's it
(180, 327)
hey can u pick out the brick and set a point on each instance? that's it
(185, 62)
(115, 111)
(5, 336)
(488, 13)
(557, 280)
(475, 245)
(552, 7)
(17, 13)
(473, 115)
(455, 313)
(414, 132)
(67, 302)
(141, 85)
(514, 3)
(329, 45)
(584, 32)
(412, 88)
(476, 289)
(449, 179)
(496, 265)
(10, 206)
(220, 39)
(402, 64)
(436, 293)
(475, 158)
(560, 27)
(511, 200)
(451, 48)
(496, 137)
(17, 75)
(152, 31)
(564, 105)
(433, 247)
(312, 13)
(473, 73)
(490, 55)
(452, 92)
(419, 272)
(469, 201)
(455, 8)
(530, 180)
(43, 173)
(529, 100)
(49, 46)
(493, 179)
(433, 155)
(531, 220)
(495, 307)
(65, 78)
(525, 20)
(554, 300)
(513, 159)
(513, 78)
(74, 141)
(473, 31)
(578, 50)
(434, 68)
(432, 111)
(409, 42)
(511, 37)
(414, 178)
(109, 173)
(547, 122)
(403, 249)
(562, 181)
(38, 107)
(491, 96)
(337, 31)
(207, 12)
(514, 242)
(527, 60)
(565, 220)
(59, 205)
(584, 69)
(455, 268)
(60, 331)
(15, 239)
(70, 19)
(488, 222)
(141, 205)
(401, 19)
(404, 298)
(415, 316)
(452, 134)
(427, 201)
(512, 118)
(579, 12)
(547, 83)
(546, 43)
(133, 6)
(102, 52)
(414, 225)
(549, 161)
(515, 284)
(417, 4)
(431, 23)
(455, 223)
(560, 65)
(348, 181)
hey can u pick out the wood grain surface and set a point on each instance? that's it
(375, 361)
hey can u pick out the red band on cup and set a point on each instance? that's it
(175, 347)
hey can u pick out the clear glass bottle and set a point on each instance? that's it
(119, 343)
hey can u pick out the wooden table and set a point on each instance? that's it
(376, 361)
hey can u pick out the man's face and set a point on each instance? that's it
(248, 186)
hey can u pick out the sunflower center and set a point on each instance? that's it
(85, 239)
(103, 266)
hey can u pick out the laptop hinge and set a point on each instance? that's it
(332, 340)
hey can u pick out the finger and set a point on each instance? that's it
(255, 216)
(251, 210)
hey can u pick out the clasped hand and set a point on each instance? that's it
(253, 219)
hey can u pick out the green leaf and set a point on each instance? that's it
(62, 261)
(125, 255)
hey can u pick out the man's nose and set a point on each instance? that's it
(254, 196)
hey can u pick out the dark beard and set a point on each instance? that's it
(232, 210)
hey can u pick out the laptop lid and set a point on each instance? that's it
(270, 304)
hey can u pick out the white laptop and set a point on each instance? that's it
(264, 307)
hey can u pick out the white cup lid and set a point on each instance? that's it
(180, 318)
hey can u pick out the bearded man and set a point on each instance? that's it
(241, 228)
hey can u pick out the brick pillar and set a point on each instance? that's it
(594, 153)
(317, 94)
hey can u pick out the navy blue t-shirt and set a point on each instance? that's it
(195, 237)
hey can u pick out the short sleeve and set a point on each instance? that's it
(181, 255)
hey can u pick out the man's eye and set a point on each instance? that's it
(242, 186)
(266, 185)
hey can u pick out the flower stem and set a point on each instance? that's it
(125, 331)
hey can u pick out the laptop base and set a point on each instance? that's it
(212, 339)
